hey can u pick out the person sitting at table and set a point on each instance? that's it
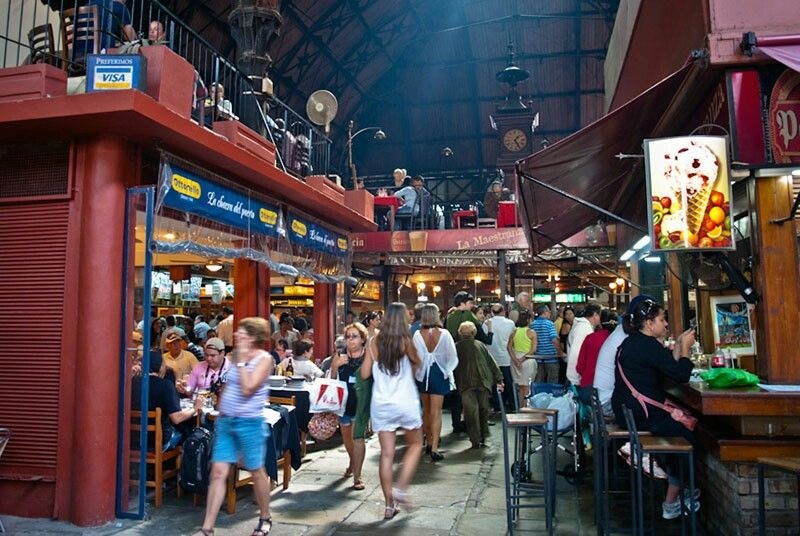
(399, 176)
(210, 373)
(217, 98)
(155, 33)
(241, 433)
(303, 361)
(494, 195)
(279, 352)
(114, 24)
(345, 367)
(408, 195)
(179, 360)
(175, 422)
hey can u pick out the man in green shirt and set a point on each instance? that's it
(463, 302)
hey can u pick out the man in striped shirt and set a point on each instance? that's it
(548, 350)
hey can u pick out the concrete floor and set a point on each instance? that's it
(462, 495)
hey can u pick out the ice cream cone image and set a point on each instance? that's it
(692, 172)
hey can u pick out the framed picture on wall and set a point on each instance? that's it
(733, 322)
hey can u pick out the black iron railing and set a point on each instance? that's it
(51, 32)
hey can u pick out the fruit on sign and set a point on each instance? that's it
(728, 223)
(716, 233)
(664, 242)
(717, 198)
(717, 215)
(692, 239)
(709, 225)
(657, 229)
(705, 242)
(666, 202)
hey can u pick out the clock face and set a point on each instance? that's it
(515, 140)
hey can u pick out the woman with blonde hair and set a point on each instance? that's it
(346, 367)
(399, 176)
(438, 352)
(240, 433)
(392, 361)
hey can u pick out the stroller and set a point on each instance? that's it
(569, 425)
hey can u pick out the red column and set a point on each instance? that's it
(100, 193)
(251, 289)
(323, 319)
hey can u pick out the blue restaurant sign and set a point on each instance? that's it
(193, 194)
(313, 236)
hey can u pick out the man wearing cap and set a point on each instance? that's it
(606, 359)
(162, 394)
(209, 372)
(176, 358)
(463, 302)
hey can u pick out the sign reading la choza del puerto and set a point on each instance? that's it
(440, 240)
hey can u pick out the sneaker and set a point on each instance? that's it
(686, 494)
(673, 510)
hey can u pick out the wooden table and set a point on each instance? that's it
(391, 203)
(507, 215)
(465, 218)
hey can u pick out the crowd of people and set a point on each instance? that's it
(402, 368)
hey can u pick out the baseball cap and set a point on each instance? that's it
(636, 301)
(216, 343)
(462, 297)
(175, 334)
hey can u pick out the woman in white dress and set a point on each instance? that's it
(439, 359)
(392, 361)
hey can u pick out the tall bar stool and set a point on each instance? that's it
(516, 489)
(650, 446)
(606, 438)
(785, 465)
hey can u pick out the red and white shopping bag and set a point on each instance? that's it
(328, 395)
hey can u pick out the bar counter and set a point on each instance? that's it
(741, 401)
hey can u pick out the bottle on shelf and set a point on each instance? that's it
(289, 367)
(718, 359)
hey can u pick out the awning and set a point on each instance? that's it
(782, 48)
(585, 164)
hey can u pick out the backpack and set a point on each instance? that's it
(196, 461)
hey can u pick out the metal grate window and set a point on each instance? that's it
(34, 171)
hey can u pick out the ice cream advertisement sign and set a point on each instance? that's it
(689, 193)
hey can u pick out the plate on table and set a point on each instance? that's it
(276, 381)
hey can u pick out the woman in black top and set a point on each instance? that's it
(646, 363)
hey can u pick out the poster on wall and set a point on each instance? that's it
(733, 321)
(688, 185)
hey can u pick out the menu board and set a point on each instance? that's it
(689, 192)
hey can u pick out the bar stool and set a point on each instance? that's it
(515, 488)
(607, 438)
(785, 465)
(650, 446)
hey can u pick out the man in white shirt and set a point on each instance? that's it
(582, 327)
(604, 378)
(503, 328)
(225, 328)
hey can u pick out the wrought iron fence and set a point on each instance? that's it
(62, 32)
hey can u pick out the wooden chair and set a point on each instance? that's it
(156, 458)
(43, 45)
(79, 30)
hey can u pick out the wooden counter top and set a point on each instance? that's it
(742, 401)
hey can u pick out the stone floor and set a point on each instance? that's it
(462, 495)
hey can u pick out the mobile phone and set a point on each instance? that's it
(693, 325)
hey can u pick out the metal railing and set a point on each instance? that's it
(41, 32)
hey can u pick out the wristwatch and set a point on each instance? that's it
(241, 364)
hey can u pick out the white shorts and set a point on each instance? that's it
(528, 372)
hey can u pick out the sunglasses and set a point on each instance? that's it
(646, 306)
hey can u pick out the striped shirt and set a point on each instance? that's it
(545, 333)
(234, 403)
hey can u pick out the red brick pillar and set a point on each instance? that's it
(323, 319)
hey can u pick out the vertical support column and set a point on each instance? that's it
(251, 297)
(322, 319)
(676, 308)
(776, 279)
(501, 270)
(100, 195)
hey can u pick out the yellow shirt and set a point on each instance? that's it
(522, 343)
(182, 365)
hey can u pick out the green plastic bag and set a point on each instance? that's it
(722, 378)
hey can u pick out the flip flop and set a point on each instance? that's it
(359, 485)
(389, 512)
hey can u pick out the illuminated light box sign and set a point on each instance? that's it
(314, 236)
(196, 195)
(561, 297)
(689, 193)
(114, 72)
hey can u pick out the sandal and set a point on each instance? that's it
(259, 530)
(389, 512)
(359, 485)
(402, 498)
(205, 532)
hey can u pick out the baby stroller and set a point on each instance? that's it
(566, 425)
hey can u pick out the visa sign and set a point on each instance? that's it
(113, 77)
(112, 72)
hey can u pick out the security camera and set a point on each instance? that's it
(447, 152)
(380, 135)
(545, 143)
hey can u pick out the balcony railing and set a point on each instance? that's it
(39, 31)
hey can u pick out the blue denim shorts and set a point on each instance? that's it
(346, 420)
(240, 438)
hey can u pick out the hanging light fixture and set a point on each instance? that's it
(213, 265)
